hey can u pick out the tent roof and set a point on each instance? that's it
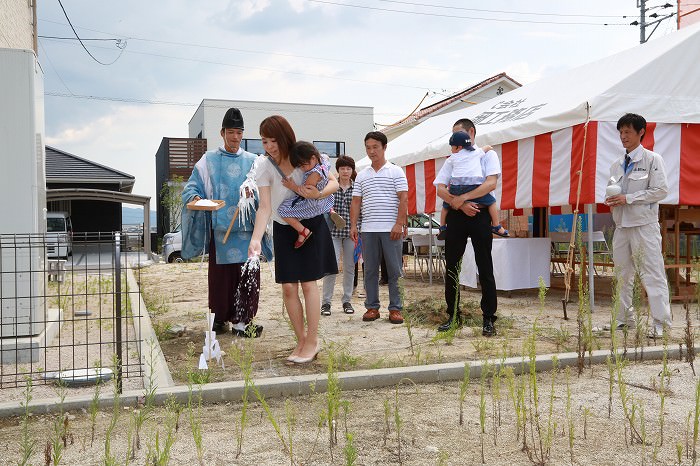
(658, 79)
(438, 107)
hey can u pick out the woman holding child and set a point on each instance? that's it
(302, 255)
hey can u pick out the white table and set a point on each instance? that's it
(517, 263)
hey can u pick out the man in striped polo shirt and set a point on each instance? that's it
(381, 194)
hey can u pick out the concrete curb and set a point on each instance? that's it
(282, 387)
(148, 341)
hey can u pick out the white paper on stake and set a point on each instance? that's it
(246, 205)
(203, 362)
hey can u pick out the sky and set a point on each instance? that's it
(161, 59)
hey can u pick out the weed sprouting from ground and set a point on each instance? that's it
(109, 458)
(641, 318)
(696, 421)
(585, 337)
(194, 411)
(333, 401)
(409, 331)
(27, 444)
(387, 415)
(244, 360)
(496, 400)
(663, 388)
(290, 416)
(141, 414)
(586, 414)
(463, 386)
(160, 451)
(349, 450)
(513, 392)
(627, 401)
(60, 433)
(689, 338)
(270, 416)
(482, 407)
(398, 422)
(94, 406)
(569, 417)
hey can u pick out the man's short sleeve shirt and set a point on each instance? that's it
(379, 192)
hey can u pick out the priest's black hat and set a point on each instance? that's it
(233, 119)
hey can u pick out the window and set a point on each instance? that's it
(253, 145)
(333, 149)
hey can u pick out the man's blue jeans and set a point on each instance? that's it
(372, 243)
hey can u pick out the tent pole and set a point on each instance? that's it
(430, 247)
(591, 286)
(574, 226)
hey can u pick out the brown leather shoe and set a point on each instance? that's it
(370, 315)
(395, 316)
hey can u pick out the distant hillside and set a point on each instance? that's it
(134, 216)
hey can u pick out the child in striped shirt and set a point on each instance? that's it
(304, 155)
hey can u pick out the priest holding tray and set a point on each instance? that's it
(218, 176)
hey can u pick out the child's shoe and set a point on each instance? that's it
(443, 233)
(338, 221)
(303, 236)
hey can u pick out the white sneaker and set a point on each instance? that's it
(656, 331)
(619, 326)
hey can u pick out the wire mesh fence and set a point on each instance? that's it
(69, 311)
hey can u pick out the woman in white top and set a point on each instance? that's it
(293, 266)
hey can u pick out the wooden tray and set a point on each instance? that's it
(219, 204)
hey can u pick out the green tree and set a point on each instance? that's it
(171, 200)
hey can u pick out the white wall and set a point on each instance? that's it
(310, 122)
(16, 28)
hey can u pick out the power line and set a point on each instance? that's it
(512, 12)
(274, 70)
(119, 99)
(121, 49)
(443, 15)
(76, 38)
(279, 54)
(191, 104)
(55, 70)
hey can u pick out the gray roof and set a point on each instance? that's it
(62, 167)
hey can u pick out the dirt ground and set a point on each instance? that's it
(410, 424)
(427, 417)
(176, 294)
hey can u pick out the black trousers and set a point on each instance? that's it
(461, 227)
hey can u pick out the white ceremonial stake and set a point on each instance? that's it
(203, 363)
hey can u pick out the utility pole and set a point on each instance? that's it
(642, 5)
(642, 23)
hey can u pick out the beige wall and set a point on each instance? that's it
(17, 24)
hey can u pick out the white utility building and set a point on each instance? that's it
(333, 129)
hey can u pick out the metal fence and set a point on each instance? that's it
(70, 312)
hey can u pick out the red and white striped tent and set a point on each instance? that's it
(539, 130)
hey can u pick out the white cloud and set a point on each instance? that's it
(525, 72)
(545, 34)
(248, 8)
(127, 140)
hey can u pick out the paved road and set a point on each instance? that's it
(100, 255)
